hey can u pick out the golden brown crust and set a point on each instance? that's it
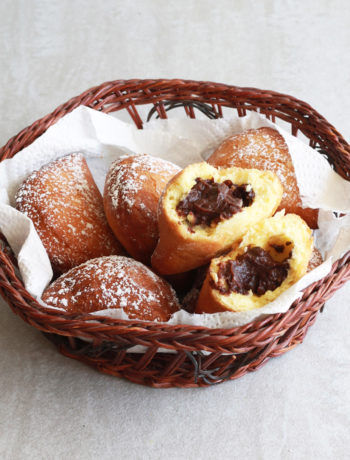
(132, 191)
(66, 208)
(174, 254)
(207, 302)
(181, 248)
(290, 229)
(113, 282)
(265, 149)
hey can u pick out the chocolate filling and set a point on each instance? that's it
(209, 202)
(254, 270)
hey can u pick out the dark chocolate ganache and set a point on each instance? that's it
(254, 270)
(209, 202)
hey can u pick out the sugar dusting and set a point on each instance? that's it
(126, 180)
(114, 282)
(67, 211)
(133, 187)
(266, 151)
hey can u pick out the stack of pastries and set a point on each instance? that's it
(231, 232)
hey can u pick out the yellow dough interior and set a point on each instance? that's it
(275, 231)
(265, 184)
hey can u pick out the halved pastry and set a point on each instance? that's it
(273, 255)
(66, 208)
(204, 210)
(265, 149)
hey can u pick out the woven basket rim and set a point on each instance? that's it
(71, 104)
(99, 322)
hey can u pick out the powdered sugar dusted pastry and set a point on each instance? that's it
(273, 255)
(66, 208)
(204, 210)
(132, 191)
(265, 149)
(113, 282)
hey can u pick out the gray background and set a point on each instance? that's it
(297, 406)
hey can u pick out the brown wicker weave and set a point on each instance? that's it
(231, 352)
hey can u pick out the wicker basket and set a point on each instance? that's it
(230, 353)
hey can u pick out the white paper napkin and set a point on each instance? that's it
(103, 138)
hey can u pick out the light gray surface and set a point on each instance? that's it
(297, 406)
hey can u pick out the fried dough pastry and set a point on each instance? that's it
(265, 149)
(66, 208)
(273, 255)
(113, 282)
(132, 191)
(204, 210)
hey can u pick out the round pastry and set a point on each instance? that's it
(265, 149)
(204, 210)
(132, 191)
(66, 208)
(273, 255)
(113, 282)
